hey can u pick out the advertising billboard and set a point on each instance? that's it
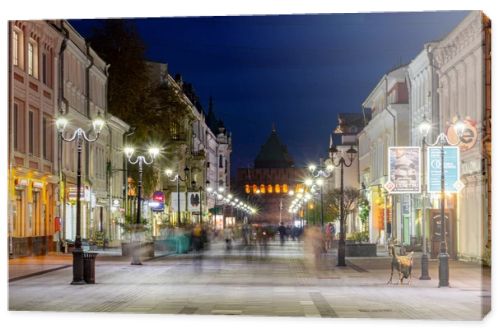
(404, 170)
(451, 169)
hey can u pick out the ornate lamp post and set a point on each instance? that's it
(320, 174)
(139, 160)
(342, 162)
(80, 136)
(177, 178)
(441, 141)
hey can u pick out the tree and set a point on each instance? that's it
(119, 44)
(332, 202)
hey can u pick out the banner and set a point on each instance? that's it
(404, 170)
(193, 201)
(451, 169)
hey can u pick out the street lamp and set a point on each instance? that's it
(342, 162)
(320, 174)
(139, 160)
(441, 141)
(178, 178)
(80, 136)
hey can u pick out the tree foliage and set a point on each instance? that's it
(332, 202)
(149, 108)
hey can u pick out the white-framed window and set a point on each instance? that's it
(15, 48)
(33, 58)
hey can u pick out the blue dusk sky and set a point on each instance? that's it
(297, 71)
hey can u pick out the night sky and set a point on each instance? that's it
(297, 71)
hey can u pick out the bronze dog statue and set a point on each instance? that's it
(402, 264)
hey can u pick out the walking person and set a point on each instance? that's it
(282, 232)
(228, 237)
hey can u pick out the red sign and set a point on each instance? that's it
(158, 196)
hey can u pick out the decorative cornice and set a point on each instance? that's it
(457, 41)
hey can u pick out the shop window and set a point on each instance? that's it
(285, 188)
(255, 188)
(270, 188)
(262, 189)
(277, 189)
(247, 188)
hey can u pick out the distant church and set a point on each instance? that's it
(267, 184)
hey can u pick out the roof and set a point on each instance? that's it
(273, 154)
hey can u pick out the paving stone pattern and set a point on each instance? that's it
(282, 282)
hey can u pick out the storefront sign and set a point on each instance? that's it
(469, 135)
(404, 170)
(451, 169)
(38, 185)
(157, 202)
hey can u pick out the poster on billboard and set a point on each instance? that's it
(193, 201)
(452, 181)
(404, 170)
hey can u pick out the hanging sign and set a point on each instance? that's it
(452, 183)
(404, 170)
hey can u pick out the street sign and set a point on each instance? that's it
(404, 170)
(451, 169)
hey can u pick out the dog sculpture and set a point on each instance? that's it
(402, 264)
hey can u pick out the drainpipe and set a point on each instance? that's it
(63, 109)
(87, 144)
(11, 153)
(394, 143)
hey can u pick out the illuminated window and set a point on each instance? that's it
(277, 189)
(262, 189)
(285, 188)
(33, 58)
(270, 188)
(255, 188)
(247, 188)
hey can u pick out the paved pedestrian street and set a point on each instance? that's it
(280, 281)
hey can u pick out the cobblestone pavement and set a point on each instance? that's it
(281, 281)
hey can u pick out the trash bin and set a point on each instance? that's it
(89, 267)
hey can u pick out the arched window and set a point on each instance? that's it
(277, 189)
(270, 188)
(262, 189)
(285, 188)
(247, 188)
(255, 188)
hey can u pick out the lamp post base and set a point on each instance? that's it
(443, 270)
(341, 254)
(425, 268)
(77, 267)
(136, 260)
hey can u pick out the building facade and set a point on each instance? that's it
(33, 82)
(459, 59)
(389, 126)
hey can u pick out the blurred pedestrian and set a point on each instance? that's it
(282, 233)
(228, 237)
